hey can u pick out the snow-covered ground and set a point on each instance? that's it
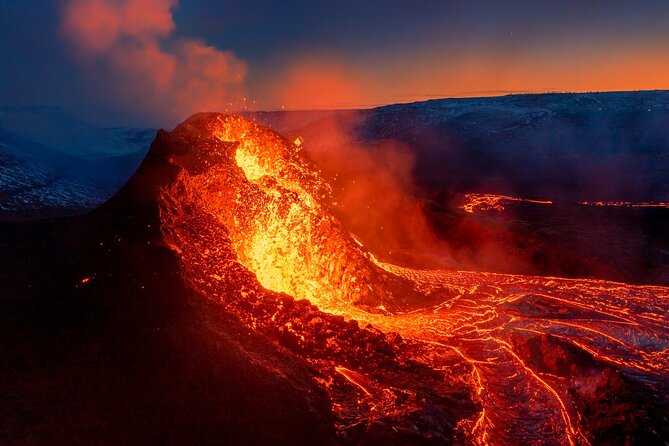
(52, 162)
(60, 131)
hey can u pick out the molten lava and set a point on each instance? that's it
(491, 202)
(442, 356)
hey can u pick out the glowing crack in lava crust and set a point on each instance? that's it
(408, 355)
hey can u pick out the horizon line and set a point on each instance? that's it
(463, 95)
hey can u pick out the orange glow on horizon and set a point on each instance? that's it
(331, 83)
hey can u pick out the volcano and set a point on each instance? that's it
(217, 299)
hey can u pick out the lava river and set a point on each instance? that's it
(409, 356)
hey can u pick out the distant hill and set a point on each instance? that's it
(562, 146)
(565, 148)
(52, 163)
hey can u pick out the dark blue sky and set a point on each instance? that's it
(360, 53)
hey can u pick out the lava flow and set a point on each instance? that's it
(492, 202)
(409, 356)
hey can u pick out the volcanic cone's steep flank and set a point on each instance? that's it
(274, 208)
(245, 203)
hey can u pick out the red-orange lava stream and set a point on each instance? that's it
(491, 202)
(247, 205)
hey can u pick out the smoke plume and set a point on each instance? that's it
(132, 46)
(374, 191)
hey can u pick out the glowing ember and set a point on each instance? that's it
(247, 206)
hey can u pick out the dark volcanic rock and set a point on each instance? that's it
(614, 408)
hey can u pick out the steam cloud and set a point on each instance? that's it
(374, 191)
(133, 42)
(322, 82)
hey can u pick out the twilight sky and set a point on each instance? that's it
(151, 62)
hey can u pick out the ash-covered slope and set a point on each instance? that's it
(52, 163)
